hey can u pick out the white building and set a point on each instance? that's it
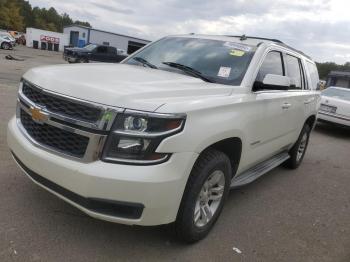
(82, 35)
(47, 40)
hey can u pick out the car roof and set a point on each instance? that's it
(248, 40)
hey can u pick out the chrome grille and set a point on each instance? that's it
(56, 138)
(60, 105)
(64, 129)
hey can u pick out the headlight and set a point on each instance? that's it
(135, 123)
(136, 135)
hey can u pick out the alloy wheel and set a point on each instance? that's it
(302, 147)
(209, 198)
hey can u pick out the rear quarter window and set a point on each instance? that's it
(313, 73)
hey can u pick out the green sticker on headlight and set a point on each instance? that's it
(107, 116)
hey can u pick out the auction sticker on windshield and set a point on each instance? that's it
(224, 71)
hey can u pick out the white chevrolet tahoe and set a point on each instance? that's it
(163, 136)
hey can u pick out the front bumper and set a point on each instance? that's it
(156, 189)
(334, 118)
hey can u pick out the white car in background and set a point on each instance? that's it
(335, 106)
(7, 34)
(5, 42)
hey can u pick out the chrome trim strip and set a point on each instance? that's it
(59, 125)
(104, 123)
(153, 114)
(135, 161)
(147, 134)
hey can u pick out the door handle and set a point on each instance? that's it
(308, 101)
(286, 105)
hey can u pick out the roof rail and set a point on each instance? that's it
(244, 37)
(279, 42)
(295, 50)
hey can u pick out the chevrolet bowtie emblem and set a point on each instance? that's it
(38, 115)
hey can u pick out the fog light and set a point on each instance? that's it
(133, 145)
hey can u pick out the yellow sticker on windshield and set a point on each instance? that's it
(235, 52)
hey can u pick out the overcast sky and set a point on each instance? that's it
(320, 28)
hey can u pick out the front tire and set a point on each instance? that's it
(204, 196)
(6, 46)
(297, 152)
(83, 60)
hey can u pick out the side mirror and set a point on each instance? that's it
(273, 82)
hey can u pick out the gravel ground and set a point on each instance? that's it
(298, 215)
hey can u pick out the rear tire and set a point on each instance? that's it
(204, 196)
(297, 152)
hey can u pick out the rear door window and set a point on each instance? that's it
(111, 50)
(294, 71)
(102, 49)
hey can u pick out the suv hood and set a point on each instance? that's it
(121, 85)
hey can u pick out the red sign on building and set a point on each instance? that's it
(49, 39)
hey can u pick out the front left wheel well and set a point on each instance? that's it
(232, 147)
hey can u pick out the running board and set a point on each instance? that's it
(260, 169)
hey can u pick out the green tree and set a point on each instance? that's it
(51, 27)
(87, 24)
(66, 20)
(14, 16)
(19, 14)
(325, 68)
(27, 13)
(4, 15)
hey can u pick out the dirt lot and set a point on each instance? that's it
(299, 215)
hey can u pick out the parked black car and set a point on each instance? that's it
(93, 52)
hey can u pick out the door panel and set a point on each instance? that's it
(272, 132)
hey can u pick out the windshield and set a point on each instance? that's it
(337, 93)
(5, 37)
(219, 61)
(8, 37)
(90, 47)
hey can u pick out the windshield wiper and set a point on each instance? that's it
(144, 62)
(188, 70)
